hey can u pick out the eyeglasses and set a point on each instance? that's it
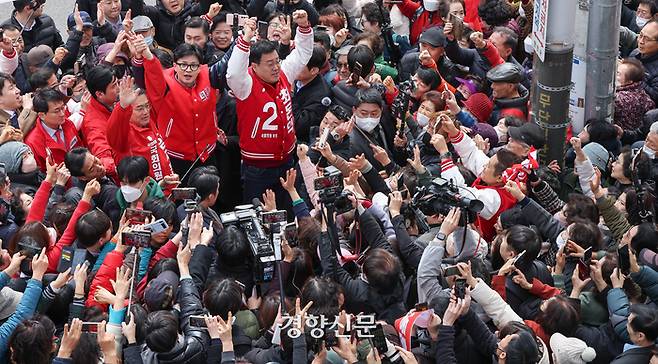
(188, 67)
(645, 38)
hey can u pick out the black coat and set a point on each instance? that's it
(43, 31)
(650, 64)
(91, 7)
(307, 107)
(634, 356)
(410, 63)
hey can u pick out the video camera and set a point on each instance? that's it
(441, 196)
(330, 190)
(245, 217)
(188, 196)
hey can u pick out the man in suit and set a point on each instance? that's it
(642, 327)
(310, 90)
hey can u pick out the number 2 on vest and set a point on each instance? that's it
(267, 125)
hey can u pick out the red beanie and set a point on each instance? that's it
(480, 105)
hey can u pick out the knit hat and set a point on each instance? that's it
(39, 55)
(480, 105)
(9, 300)
(571, 350)
(11, 154)
(160, 293)
(486, 131)
(598, 155)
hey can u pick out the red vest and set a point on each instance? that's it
(265, 123)
(38, 140)
(507, 201)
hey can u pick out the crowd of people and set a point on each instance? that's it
(317, 181)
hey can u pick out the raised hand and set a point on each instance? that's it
(269, 200)
(127, 94)
(214, 9)
(250, 29)
(71, 338)
(63, 175)
(300, 17)
(288, 184)
(39, 265)
(92, 189)
(478, 39)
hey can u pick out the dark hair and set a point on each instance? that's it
(140, 315)
(364, 55)
(301, 269)
(320, 36)
(653, 7)
(99, 78)
(60, 215)
(581, 207)
(373, 14)
(511, 39)
(635, 72)
(233, 247)
(520, 238)
(435, 98)
(506, 159)
(133, 169)
(369, 96)
(429, 77)
(4, 77)
(195, 23)
(645, 321)
(495, 12)
(91, 227)
(375, 41)
(161, 208)
(586, 234)
(512, 121)
(166, 264)
(222, 297)
(318, 58)
(382, 269)
(205, 180)
(162, 331)
(75, 161)
(559, 315)
(40, 78)
(16, 206)
(645, 238)
(31, 343)
(324, 293)
(218, 19)
(268, 310)
(45, 96)
(308, 229)
(522, 349)
(34, 230)
(601, 131)
(6, 27)
(185, 49)
(261, 48)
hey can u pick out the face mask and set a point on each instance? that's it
(148, 40)
(641, 22)
(431, 5)
(422, 119)
(367, 124)
(29, 164)
(502, 136)
(649, 152)
(561, 239)
(131, 194)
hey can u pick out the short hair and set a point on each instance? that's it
(133, 169)
(511, 39)
(218, 19)
(495, 12)
(373, 14)
(362, 54)
(162, 331)
(601, 131)
(586, 234)
(9, 27)
(261, 48)
(184, 50)
(318, 58)
(653, 7)
(60, 215)
(161, 208)
(332, 20)
(43, 97)
(205, 180)
(30, 342)
(369, 96)
(222, 297)
(197, 22)
(233, 247)
(429, 77)
(5, 77)
(375, 40)
(382, 269)
(635, 71)
(506, 159)
(645, 321)
(40, 78)
(91, 227)
(580, 206)
(522, 349)
(99, 78)
(323, 38)
(435, 98)
(74, 161)
(520, 238)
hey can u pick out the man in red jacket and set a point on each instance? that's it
(53, 133)
(104, 89)
(265, 119)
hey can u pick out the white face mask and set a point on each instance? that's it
(366, 124)
(422, 119)
(431, 5)
(29, 164)
(131, 194)
(561, 239)
(641, 22)
(649, 152)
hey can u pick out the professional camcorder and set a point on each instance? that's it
(441, 196)
(330, 189)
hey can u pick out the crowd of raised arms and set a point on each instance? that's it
(317, 181)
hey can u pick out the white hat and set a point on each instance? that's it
(570, 350)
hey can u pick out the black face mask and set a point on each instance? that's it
(119, 70)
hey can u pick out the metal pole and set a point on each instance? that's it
(552, 78)
(602, 50)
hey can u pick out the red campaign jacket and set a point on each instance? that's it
(507, 201)
(185, 116)
(38, 140)
(106, 272)
(127, 139)
(94, 130)
(420, 18)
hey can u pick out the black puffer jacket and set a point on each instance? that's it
(43, 31)
(169, 27)
(192, 348)
(410, 63)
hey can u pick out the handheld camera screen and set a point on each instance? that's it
(188, 193)
(324, 182)
(139, 239)
(274, 217)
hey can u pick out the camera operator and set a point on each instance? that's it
(340, 123)
(206, 182)
(36, 27)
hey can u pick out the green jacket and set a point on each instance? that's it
(153, 189)
(383, 69)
